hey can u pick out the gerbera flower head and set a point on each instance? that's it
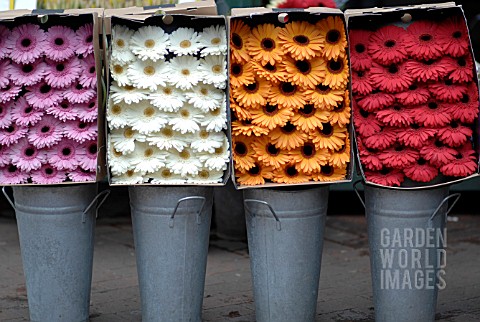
(301, 40)
(89, 77)
(288, 137)
(271, 116)
(88, 112)
(330, 173)
(60, 43)
(432, 114)
(387, 45)
(9, 92)
(120, 73)
(167, 139)
(148, 74)
(324, 97)
(447, 91)
(375, 101)
(213, 70)
(6, 114)
(184, 163)
(308, 158)
(262, 44)
(398, 157)
(206, 176)
(215, 120)
(146, 119)
(81, 175)
(4, 73)
(254, 94)
(78, 94)
(147, 158)
(27, 74)
(129, 177)
(25, 115)
(333, 30)
(416, 94)
(213, 39)
(12, 134)
(339, 158)
(127, 94)
(149, 42)
(184, 72)
(360, 59)
(89, 162)
(289, 174)
(47, 132)
(438, 154)
(463, 70)
(243, 152)
(186, 120)
(267, 153)
(239, 33)
(247, 128)
(204, 141)
(273, 73)
(453, 35)
(254, 176)
(396, 116)
(416, 136)
(464, 163)
(366, 123)
(5, 156)
(123, 140)
(42, 95)
(167, 99)
(422, 40)
(306, 73)
(386, 177)
(421, 171)
(13, 175)
(184, 41)
(381, 140)
(308, 118)
(121, 52)
(118, 114)
(362, 83)
(26, 43)
(84, 40)
(165, 176)
(63, 111)
(4, 49)
(241, 74)
(66, 155)
(80, 131)
(455, 134)
(61, 74)
(393, 78)
(466, 109)
(26, 157)
(205, 97)
(329, 136)
(428, 70)
(287, 95)
(48, 175)
(337, 73)
(341, 113)
(368, 157)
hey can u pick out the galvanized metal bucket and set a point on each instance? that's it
(56, 232)
(407, 257)
(285, 239)
(171, 228)
(229, 221)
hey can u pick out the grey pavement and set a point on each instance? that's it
(344, 295)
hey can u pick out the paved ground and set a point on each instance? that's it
(344, 294)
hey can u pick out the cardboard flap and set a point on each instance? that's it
(239, 12)
(367, 11)
(203, 8)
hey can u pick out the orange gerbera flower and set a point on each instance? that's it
(238, 36)
(333, 30)
(340, 157)
(308, 118)
(240, 112)
(289, 174)
(341, 113)
(308, 158)
(243, 153)
(306, 73)
(329, 173)
(287, 95)
(247, 128)
(270, 116)
(256, 175)
(301, 39)
(337, 72)
(241, 74)
(329, 136)
(269, 154)
(324, 97)
(274, 73)
(262, 44)
(252, 95)
(288, 137)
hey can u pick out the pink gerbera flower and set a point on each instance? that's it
(81, 175)
(421, 171)
(386, 45)
(398, 156)
(9, 92)
(422, 40)
(88, 112)
(63, 111)
(433, 114)
(12, 175)
(453, 36)
(361, 82)
(42, 95)
(48, 175)
(84, 40)
(5, 156)
(6, 114)
(416, 94)
(12, 134)
(381, 140)
(46, 133)
(386, 177)
(27, 157)
(454, 134)
(80, 131)
(359, 56)
(415, 136)
(396, 115)
(376, 101)
(365, 123)
(25, 115)
(89, 76)
(464, 163)
(26, 43)
(466, 109)
(428, 70)
(4, 50)
(60, 43)
(27, 74)
(4, 72)
(63, 73)
(393, 78)
(438, 154)
(90, 161)
(462, 70)
(66, 155)
(447, 91)
(79, 94)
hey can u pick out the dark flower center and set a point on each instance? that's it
(255, 170)
(461, 62)
(428, 62)
(79, 86)
(27, 68)
(415, 126)
(364, 113)
(454, 125)
(426, 37)
(270, 109)
(303, 66)
(271, 68)
(91, 105)
(360, 73)
(92, 70)
(392, 69)
(82, 125)
(334, 66)
(288, 128)
(465, 98)
(385, 171)
(12, 168)
(10, 129)
(327, 170)
(438, 144)
(307, 110)
(237, 70)
(26, 42)
(413, 87)
(45, 129)
(241, 149)
(432, 105)
(59, 41)
(288, 89)
(268, 44)
(308, 150)
(251, 88)
(301, 40)
(322, 89)
(60, 67)
(237, 41)
(457, 34)
(397, 108)
(92, 148)
(449, 82)
(272, 149)
(398, 148)
(29, 152)
(291, 171)
(49, 171)
(390, 43)
(66, 151)
(340, 107)
(6, 88)
(1, 110)
(327, 129)
(360, 48)
(89, 38)
(45, 88)
(333, 36)
(421, 161)
(459, 156)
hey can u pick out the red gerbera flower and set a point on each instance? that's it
(365, 123)
(376, 101)
(393, 78)
(361, 82)
(421, 171)
(453, 35)
(466, 109)
(415, 95)
(438, 154)
(463, 164)
(387, 45)
(433, 114)
(368, 157)
(463, 70)
(307, 4)
(447, 91)
(381, 140)
(386, 177)
(415, 136)
(398, 156)
(395, 115)
(454, 134)
(422, 41)
(359, 57)
(428, 70)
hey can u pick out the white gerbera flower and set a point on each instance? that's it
(214, 39)
(147, 158)
(215, 120)
(186, 120)
(165, 176)
(184, 41)
(117, 114)
(184, 72)
(150, 42)
(167, 139)
(119, 73)
(146, 118)
(118, 162)
(214, 70)
(121, 52)
(128, 94)
(218, 160)
(206, 176)
(205, 97)
(123, 140)
(168, 98)
(204, 141)
(184, 163)
(148, 74)
(129, 177)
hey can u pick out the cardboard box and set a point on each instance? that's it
(373, 18)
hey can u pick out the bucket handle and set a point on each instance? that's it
(104, 195)
(10, 201)
(199, 221)
(455, 195)
(358, 192)
(246, 201)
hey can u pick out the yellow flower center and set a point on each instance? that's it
(204, 134)
(149, 111)
(120, 43)
(129, 88)
(215, 41)
(116, 109)
(148, 153)
(217, 69)
(185, 72)
(117, 153)
(149, 70)
(149, 43)
(130, 173)
(215, 112)
(128, 133)
(166, 173)
(167, 91)
(185, 155)
(204, 174)
(185, 113)
(204, 91)
(167, 132)
(185, 43)
(117, 69)
(219, 151)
